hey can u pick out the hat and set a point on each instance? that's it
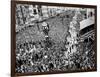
(44, 24)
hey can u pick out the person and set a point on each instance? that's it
(45, 28)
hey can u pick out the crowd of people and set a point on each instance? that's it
(48, 55)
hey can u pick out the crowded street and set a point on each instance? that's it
(51, 39)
